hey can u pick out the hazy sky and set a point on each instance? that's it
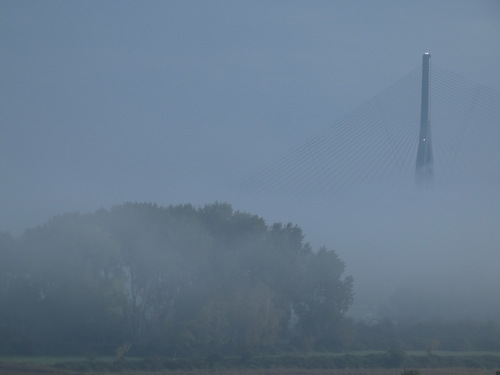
(171, 102)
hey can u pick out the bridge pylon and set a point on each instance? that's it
(424, 174)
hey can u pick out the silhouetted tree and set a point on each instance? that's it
(174, 280)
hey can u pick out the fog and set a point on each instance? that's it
(437, 250)
(104, 103)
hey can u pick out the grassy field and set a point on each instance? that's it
(48, 360)
(27, 369)
(278, 366)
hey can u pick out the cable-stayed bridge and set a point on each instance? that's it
(388, 138)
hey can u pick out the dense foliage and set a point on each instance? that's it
(183, 281)
(171, 281)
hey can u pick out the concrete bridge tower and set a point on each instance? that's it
(424, 167)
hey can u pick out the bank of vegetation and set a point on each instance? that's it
(186, 286)
(173, 281)
(337, 364)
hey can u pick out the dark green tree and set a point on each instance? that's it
(174, 281)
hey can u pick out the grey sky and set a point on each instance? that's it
(170, 102)
(103, 102)
(163, 101)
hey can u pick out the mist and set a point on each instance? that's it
(438, 246)
(251, 104)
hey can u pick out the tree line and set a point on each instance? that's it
(184, 281)
(174, 281)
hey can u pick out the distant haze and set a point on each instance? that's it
(176, 102)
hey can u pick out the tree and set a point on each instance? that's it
(67, 294)
(174, 280)
(322, 298)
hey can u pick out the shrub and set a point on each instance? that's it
(410, 372)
